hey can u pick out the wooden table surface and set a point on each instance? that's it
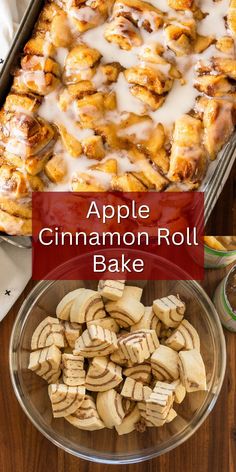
(212, 448)
(223, 218)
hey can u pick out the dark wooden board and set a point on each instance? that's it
(223, 218)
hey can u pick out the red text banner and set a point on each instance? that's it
(133, 236)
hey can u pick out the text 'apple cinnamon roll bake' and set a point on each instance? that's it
(125, 95)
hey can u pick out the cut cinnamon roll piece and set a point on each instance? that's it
(140, 373)
(134, 390)
(80, 64)
(130, 420)
(138, 345)
(86, 417)
(39, 47)
(218, 125)
(87, 306)
(13, 182)
(122, 32)
(46, 363)
(13, 224)
(86, 15)
(150, 78)
(164, 363)
(73, 370)
(149, 321)
(184, 337)
(110, 408)
(103, 375)
(180, 4)
(65, 400)
(49, 331)
(96, 341)
(231, 17)
(28, 102)
(142, 14)
(188, 157)
(170, 310)
(106, 323)
(63, 308)
(127, 310)
(72, 332)
(32, 139)
(85, 182)
(38, 63)
(160, 402)
(111, 289)
(60, 31)
(214, 85)
(192, 370)
(180, 36)
(56, 168)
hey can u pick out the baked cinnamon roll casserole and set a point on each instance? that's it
(124, 95)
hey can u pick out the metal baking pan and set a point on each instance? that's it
(218, 171)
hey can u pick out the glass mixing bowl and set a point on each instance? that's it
(105, 445)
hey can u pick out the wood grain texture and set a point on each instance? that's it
(212, 448)
(223, 218)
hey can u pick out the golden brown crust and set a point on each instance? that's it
(109, 100)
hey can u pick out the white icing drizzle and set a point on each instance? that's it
(110, 51)
(140, 130)
(38, 77)
(84, 14)
(61, 55)
(125, 100)
(50, 111)
(214, 23)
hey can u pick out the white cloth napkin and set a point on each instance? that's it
(10, 17)
(15, 263)
(15, 272)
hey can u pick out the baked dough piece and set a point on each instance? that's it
(148, 84)
(180, 36)
(231, 18)
(142, 14)
(87, 15)
(218, 125)
(187, 159)
(123, 33)
(30, 139)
